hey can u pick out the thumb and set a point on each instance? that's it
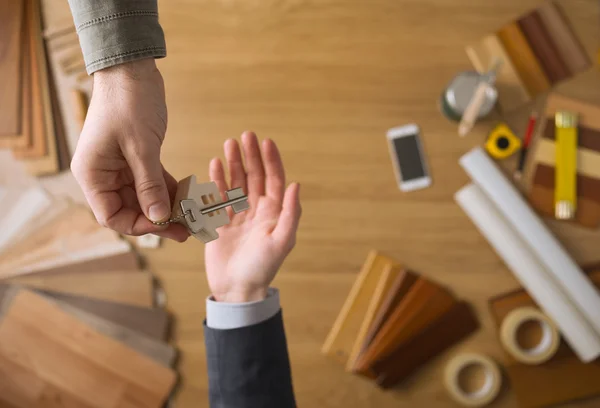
(150, 185)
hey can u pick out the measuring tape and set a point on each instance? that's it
(565, 189)
(502, 142)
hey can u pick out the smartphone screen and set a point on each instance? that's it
(408, 157)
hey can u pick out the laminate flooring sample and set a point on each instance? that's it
(47, 353)
(342, 335)
(561, 379)
(11, 20)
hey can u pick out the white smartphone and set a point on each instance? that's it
(411, 168)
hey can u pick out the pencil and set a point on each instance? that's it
(526, 141)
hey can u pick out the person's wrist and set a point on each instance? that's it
(134, 70)
(242, 296)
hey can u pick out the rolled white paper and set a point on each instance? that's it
(484, 172)
(528, 269)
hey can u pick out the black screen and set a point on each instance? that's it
(409, 157)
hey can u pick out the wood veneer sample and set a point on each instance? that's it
(386, 281)
(588, 161)
(135, 289)
(38, 147)
(523, 59)
(588, 113)
(151, 322)
(570, 48)
(75, 360)
(542, 199)
(397, 292)
(425, 302)
(339, 341)
(11, 20)
(450, 328)
(587, 138)
(543, 47)
(511, 90)
(49, 163)
(561, 379)
(587, 187)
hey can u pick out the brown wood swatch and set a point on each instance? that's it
(523, 58)
(586, 137)
(397, 292)
(11, 20)
(151, 322)
(75, 360)
(135, 289)
(570, 48)
(587, 187)
(511, 90)
(450, 328)
(563, 378)
(339, 341)
(386, 280)
(425, 302)
(588, 113)
(543, 47)
(587, 214)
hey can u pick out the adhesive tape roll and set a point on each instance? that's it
(547, 346)
(486, 393)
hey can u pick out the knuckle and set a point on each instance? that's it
(150, 186)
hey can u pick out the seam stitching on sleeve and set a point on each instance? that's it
(126, 54)
(116, 16)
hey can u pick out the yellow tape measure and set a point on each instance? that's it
(502, 142)
(565, 189)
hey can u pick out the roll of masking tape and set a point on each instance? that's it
(486, 393)
(548, 344)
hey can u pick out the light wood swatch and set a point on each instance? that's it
(38, 147)
(135, 289)
(523, 59)
(588, 161)
(588, 113)
(11, 20)
(49, 164)
(76, 360)
(511, 91)
(340, 340)
(573, 53)
(386, 281)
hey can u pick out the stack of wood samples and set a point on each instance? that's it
(538, 50)
(542, 158)
(30, 126)
(394, 321)
(561, 379)
(81, 321)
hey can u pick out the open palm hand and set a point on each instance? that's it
(241, 264)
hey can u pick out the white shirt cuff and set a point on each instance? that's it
(223, 316)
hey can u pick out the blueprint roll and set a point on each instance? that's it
(515, 210)
(530, 271)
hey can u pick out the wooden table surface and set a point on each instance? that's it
(325, 79)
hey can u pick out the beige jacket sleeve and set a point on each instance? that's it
(112, 32)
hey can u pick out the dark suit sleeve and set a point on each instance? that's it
(249, 367)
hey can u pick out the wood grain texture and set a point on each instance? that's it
(589, 113)
(386, 281)
(338, 344)
(587, 138)
(325, 80)
(11, 20)
(512, 92)
(397, 292)
(543, 47)
(563, 378)
(588, 161)
(76, 360)
(587, 187)
(524, 59)
(570, 48)
(48, 164)
(424, 303)
(444, 332)
(136, 289)
(37, 148)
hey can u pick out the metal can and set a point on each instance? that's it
(457, 95)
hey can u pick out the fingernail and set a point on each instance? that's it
(159, 212)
